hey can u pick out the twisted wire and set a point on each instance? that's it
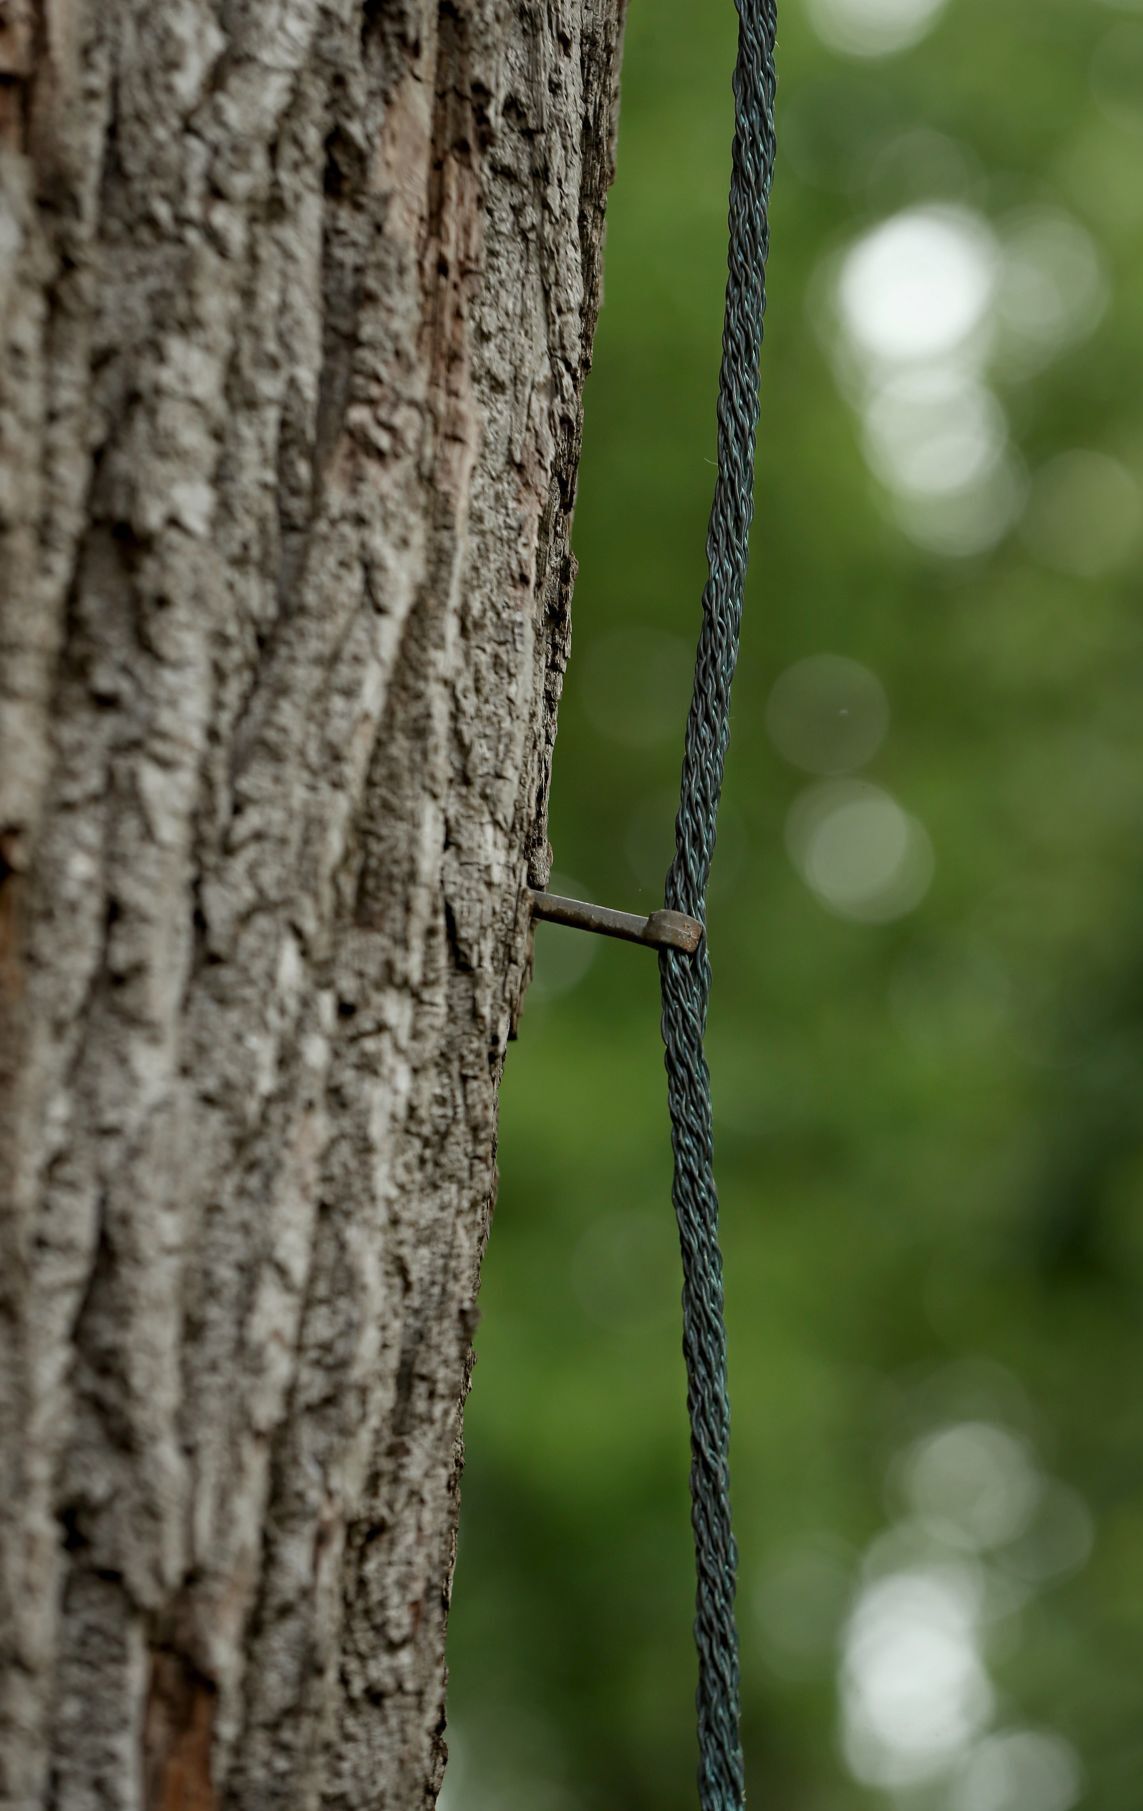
(685, 979)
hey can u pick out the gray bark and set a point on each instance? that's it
(296, 305)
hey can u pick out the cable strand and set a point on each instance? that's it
(685, 979)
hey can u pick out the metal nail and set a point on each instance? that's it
(662, 930)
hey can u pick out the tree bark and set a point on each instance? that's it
(297, 299)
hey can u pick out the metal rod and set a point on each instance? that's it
(662, 930)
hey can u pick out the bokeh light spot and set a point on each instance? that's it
(1084, 514)
(873, 28)
(1058, 1541)
(915, 1692)
(919, 286)
(1019, 1770)
(959, 523)
(975, 1484)
(827, 714)
(1052, 288)
(919, 167)
(934, 430)
(858, 851)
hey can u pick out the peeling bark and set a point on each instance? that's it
(296, 300)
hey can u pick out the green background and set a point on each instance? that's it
(928, 1128)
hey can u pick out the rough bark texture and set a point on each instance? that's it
(296, 299)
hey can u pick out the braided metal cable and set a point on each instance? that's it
(686, 979)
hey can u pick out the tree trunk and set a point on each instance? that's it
(297, 300)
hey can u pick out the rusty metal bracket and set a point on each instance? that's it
(662, 930)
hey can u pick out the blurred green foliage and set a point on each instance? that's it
(928, 1126)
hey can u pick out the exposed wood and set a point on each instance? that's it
(296, 305)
